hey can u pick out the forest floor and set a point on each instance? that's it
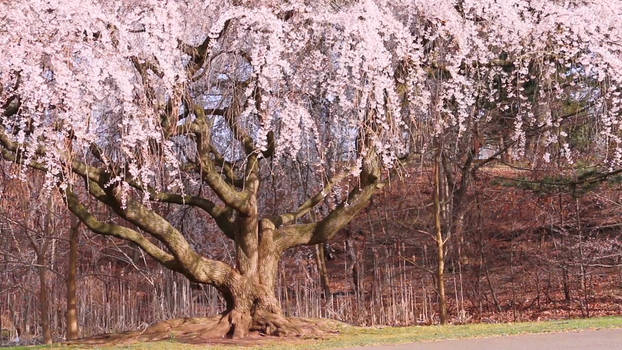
(350, 336)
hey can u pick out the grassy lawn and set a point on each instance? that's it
(356, 336)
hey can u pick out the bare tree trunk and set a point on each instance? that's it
(44, 304)
(321, 267)
(565, 283)
(440, 242)
(583, 268)
(72, 270)
(491, 287)
(351, 252)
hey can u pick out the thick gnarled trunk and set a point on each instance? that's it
(250, 291)
(251, 303)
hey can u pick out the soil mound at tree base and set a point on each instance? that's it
(209, 330)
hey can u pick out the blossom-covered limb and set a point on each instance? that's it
(227, 168)
(199, 54)
(233, 120)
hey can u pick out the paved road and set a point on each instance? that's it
(604, 339)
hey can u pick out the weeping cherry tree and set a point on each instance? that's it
(135, 104)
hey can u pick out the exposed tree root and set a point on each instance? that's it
(278, 325)
(230, 327)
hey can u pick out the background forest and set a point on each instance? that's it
(533, 248)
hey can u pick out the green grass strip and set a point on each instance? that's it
(357, 336)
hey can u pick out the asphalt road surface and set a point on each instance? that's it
(603, 339)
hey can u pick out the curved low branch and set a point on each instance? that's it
(78, 209)
(324, 230)
(135, 212)
(148, 221)
(193, 266)
(222, 215)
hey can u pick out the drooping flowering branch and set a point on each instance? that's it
(143, 80)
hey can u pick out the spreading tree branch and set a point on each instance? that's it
(310, 203)
(325, 229)
(78, 209)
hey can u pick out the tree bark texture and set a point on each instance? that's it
(72, 271)
(321, 267)
(440, 242)
(44, 303)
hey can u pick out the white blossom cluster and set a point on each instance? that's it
(379, 68)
